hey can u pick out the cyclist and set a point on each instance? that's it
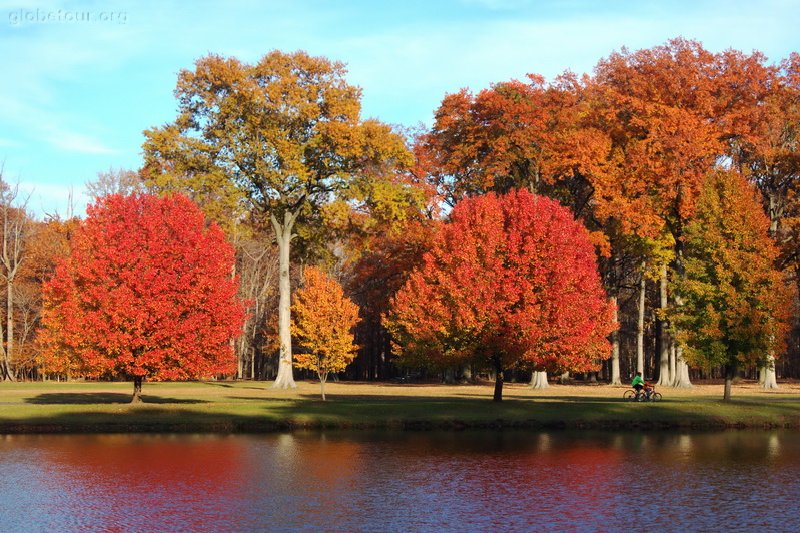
(648, 389)
(637, 383)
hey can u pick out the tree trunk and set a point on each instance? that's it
(466, 373)
(673, 366)
(730, 371)
(283, 235)
(498, 381)
(664, 374)
(322, 379)
(767, 377)
(10, 322)
(640, 323)
(615, 374)
(539, 380)
(682, 380)
(5, 363)
(137, 389)
(768, 373)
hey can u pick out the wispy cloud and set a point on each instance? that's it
(77, 142)
(8, 143)
(51, 199)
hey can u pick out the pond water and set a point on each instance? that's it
(457, 481)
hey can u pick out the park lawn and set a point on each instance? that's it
(247, 406)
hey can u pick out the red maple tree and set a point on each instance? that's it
(510, 279)
(145, 293)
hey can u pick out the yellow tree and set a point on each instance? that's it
(323, 323)
(284, 135)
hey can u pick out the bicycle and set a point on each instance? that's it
(632, 395)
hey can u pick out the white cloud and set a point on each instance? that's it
(77, 142)
(49, 199)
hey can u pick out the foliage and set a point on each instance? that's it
(280, 138)
(513, 135)
(323, 322)
(115, 181)
(509, 279)
(379, 270)
(146, 292)
(663, 140)
(735, 304)
(285, 131)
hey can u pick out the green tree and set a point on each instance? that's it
(284, 134)
(735, 304)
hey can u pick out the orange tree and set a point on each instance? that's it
(735, 305)
(509, 279)
(146, 292)
(323, 322)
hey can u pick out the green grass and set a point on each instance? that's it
(254, 406)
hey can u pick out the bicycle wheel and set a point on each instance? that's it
(629, 395)
(655, 397)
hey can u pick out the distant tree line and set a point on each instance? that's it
(680, 165)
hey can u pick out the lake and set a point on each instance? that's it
(402, 481)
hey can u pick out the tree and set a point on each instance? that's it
(15, 230)
(664, 142)
(323, 322)
(760, 108)
(735, 305)
(146, 293)
(508, 280)
(286, 132)
(257, 268)
(382, 268)
(115, 181)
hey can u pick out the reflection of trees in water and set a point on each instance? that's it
(140, 479)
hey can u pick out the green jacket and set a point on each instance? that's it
(637, 380)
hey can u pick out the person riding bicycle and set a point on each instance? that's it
(648, 389)
(637, 383)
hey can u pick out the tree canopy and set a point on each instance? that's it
(508, 279)
(145, 293)
(323, 323)
(735, 304)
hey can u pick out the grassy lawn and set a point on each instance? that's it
(254, 406)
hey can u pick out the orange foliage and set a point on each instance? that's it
(323, 320)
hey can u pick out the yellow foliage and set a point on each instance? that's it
(323, 319)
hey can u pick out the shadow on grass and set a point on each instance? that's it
(229, 385)
(407, 412)
(86, 398)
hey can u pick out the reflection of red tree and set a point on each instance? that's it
(576, 479)
(126, 477)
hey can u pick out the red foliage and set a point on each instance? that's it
(146, 292)
(510, 279)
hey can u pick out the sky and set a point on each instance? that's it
(80, 81)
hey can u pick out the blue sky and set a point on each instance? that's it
(80, 81)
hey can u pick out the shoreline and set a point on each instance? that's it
(244, 407)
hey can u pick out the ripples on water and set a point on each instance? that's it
(460, 481)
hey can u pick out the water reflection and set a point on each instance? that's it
(514, 481)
